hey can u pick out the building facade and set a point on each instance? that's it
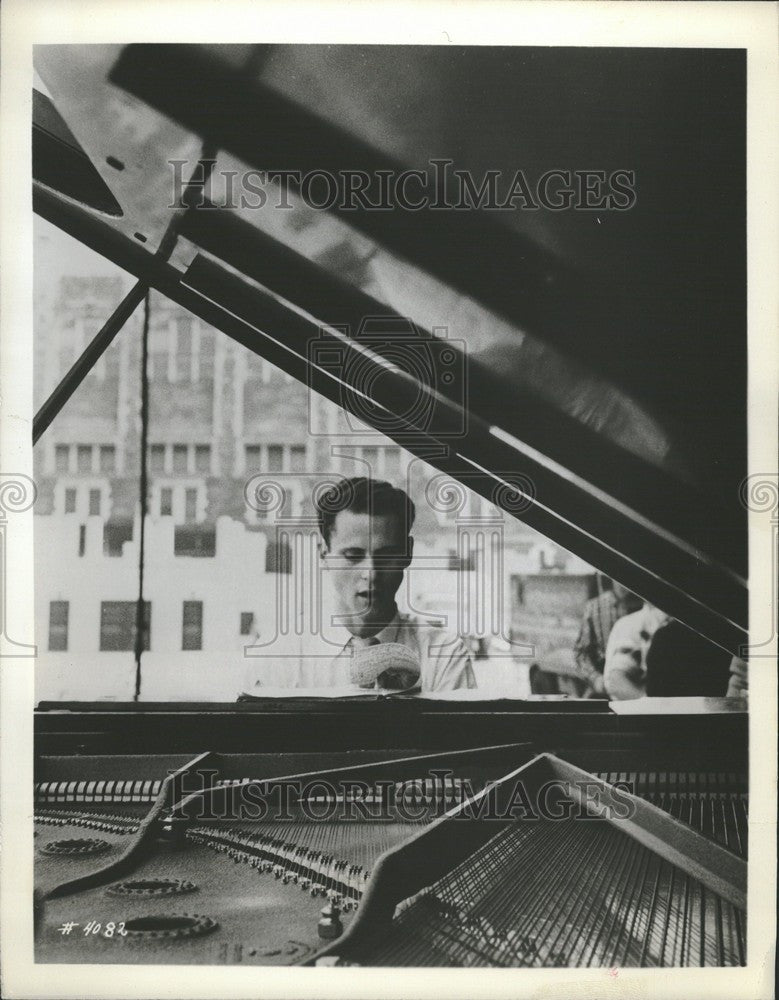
(235, 451)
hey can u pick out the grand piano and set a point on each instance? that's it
(605, 407)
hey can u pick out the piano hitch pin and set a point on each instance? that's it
(330, 925)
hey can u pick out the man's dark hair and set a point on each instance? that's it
(363, 496)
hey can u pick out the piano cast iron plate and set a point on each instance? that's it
(525, 893)
(598, 879)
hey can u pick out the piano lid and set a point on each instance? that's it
(605, 346)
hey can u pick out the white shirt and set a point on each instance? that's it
(624, 672)
(316, 661)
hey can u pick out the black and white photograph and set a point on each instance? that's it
(392, 485)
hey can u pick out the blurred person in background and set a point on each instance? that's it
(600, 615)
(625, 668)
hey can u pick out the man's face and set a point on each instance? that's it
(365, 560)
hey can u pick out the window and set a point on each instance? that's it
(371, 456)
(82, 539)
(94, 502)
(115, 533)
(70, 501)
(275, 458)
(58, 625)
(107, 459)
(62, 458)
(278, 558)
(118, 625)
(195, 540)
(203, 458)
(253, 457)
(192, 625)
(183, 356)
(84, 458)
(298, 458)
(190, 505)
(180, 458)
(391, 463)
(166, 501)
(157, 458)
(456, 563)
(247, 622)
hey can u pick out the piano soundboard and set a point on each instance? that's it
(180, 870)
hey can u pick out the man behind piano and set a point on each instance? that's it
(366, 641)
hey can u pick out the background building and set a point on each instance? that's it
(222, 417)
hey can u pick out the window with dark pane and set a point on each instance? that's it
(275, 458)
(62, 457)
(157, 458)
(166, 502)
(70, 501)
(247, 622)
(298, 458)
(203, 458)
(391, 463)
(190, 505)
(84, 458)
(180, 465)
(192, 625)
(184, 348)
(278, 556)
(118, 627)
(107, 459)
(253, 453)
(195, 540)
(116, 532)
(58, 625)
(94, 502)
(458, 562)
